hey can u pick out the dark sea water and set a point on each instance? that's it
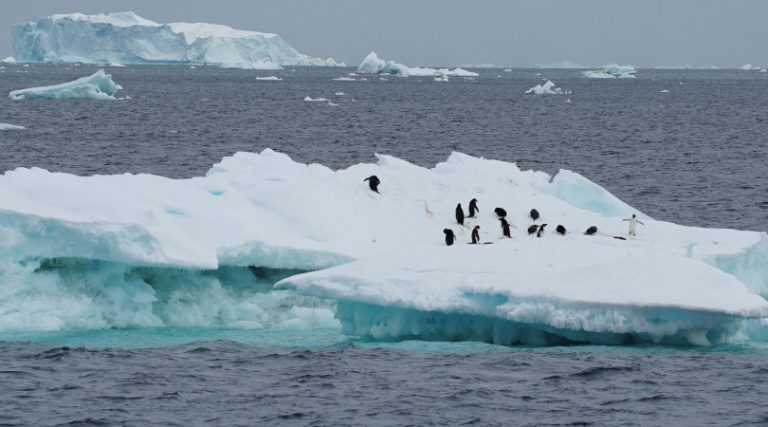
(696, 155)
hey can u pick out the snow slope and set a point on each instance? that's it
(126, 38)
(98, 86)
(166, 252)
(372, 64)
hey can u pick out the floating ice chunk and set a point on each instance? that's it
(127, 38)
(442, 79)
(310, 99)
(116, 65)
(9, 60)
(8, 126)
(664, 91)
(547, 88)
(373, 65)
(611, 71)
(339, 93)
(763, 70)
(746, 67)
(96, 86)
(344, 79)
(269, 78)
(507, 70)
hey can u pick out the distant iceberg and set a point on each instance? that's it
(8, 126)
(97, 86)
(269, 78)
(9, 60)
(763, 70)
(126, 38)
(372, 64)
(612, 71)
(547, 88)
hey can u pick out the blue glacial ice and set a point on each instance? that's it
(249, 246)
(126, 38)
(98, 86)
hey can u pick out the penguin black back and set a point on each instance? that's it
(533, 229)
(473, 209)
(373, 182)
(459, 214)
(501, 213)
(476, 235)
(591, 230)
(449, 236)
(535, 214)
(505, 228)
(541, 230)
(560, 230)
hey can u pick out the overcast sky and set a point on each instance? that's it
(447, 32)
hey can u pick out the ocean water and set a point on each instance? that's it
(695, 155)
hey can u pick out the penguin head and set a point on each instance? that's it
(473, 201)
(447, 231)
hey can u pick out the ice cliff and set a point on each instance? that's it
(143, 250)
(126, 38)
(372, 64)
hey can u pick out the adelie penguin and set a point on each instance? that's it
(501, 213)
(449, 236)
(560, 230)
(459, 214)
(591, 231)
(505, 228)
(534, 214)
(473, 209)
(541, 230)
(476, 235)
(533, 229)
(373, 182)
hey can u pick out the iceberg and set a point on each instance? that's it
(126, 38)
(9, 60)
(763, 70)
(547, 88)
(611, 72)
(372, 64)
(8, 126)
(98, 86)
(75, 253)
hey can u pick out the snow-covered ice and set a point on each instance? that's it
(269, 78)
(127, 38)
(318, 99)
(372, 64)
(344, 79)
(99, 86)
(8, 126)
(547, 88)
(9, 60)
(77, 253)
(611, 71)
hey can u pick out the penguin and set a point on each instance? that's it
(560, 230)
(501, 213)
(459, 214)
(533, 229)
(476, 235)
(505, 228)
(449, 236)
(535, 214)
(373, 182)
(591, 230)
(473, 208)
(541, 230)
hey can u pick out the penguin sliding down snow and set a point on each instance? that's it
(373, 182)
(533, 229)
(476, 235)
(501, 213)
(560, 230)
(449, 236)
(541, 230)
(534, 214)
(505, 228)
(473, 209)
(591, 231)
(459, 214)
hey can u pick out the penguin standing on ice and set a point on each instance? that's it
(505, 228)
(533, 229)
(459, 214)
(591, 231)
(473, 209)
(541, 230)
(534, 214)
(373, 182)
(476, 235)
(560, 230)
(449, 236)
(501, 213)
(633, 221)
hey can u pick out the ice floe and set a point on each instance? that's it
(98, 86)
